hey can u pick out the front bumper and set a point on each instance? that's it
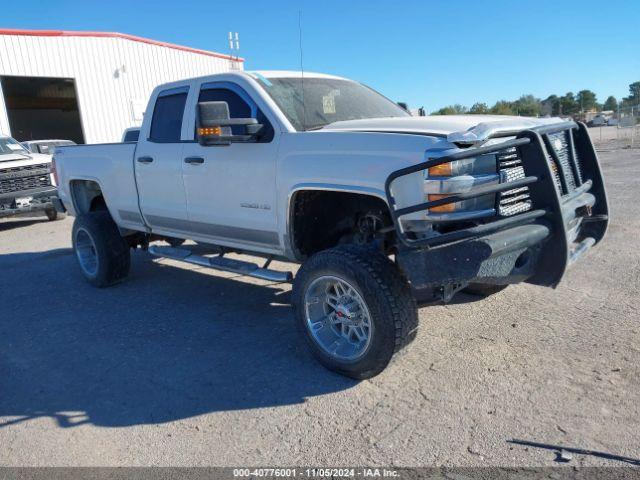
(504, 257)
(38, 199)
(569, 215)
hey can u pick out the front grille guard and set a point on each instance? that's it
(563, 208)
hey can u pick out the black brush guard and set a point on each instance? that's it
(564, 222)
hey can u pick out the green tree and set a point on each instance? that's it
(456, 109)
(479, 108)
(634, 94)
(527, 106)
(610, 103)
(568, 104)
(587, 100)
(503, 107)
(550, 106)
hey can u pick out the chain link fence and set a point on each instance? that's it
(621, 130)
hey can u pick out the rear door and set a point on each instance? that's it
(231, 190)
(158, 164)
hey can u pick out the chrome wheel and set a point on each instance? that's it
(338, 318)
(86, 253)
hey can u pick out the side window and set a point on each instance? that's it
(166, 122)
(131, 136)
(238, 108)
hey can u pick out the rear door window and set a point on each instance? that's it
(166, 123)
(131, 136)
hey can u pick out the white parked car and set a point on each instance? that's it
(26, 182)
(382, 209)
(45, 147)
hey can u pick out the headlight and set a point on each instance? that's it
(461, 176)
(443, 181)
(485, 164)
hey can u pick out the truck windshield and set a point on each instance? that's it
(9, 145)
(327, 100)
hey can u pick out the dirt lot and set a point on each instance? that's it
(184, 366)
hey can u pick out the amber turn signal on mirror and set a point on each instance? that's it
(209, 131)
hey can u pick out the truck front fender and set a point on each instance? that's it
(367, 196)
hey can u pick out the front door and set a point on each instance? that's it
(231, 190)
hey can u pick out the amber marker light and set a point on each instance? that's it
(446, 208)
(442, 170)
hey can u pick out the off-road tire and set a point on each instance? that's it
(483, 290)
(111, 250)
(53, 215)
(387, 295)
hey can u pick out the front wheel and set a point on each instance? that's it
(102, 253)
(355, 309)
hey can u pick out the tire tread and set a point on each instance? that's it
(113, 252)
(388, 282)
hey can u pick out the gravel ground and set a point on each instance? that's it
(183, 366)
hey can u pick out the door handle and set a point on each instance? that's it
(145, 159)
(194, 160)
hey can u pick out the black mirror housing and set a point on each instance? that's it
(213, 125)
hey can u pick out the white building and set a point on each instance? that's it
(88, 86)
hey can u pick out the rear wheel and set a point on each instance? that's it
(354, 309)
(483, 290)
(103, 255)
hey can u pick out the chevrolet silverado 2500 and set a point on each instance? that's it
(25, 181)
(381, 209)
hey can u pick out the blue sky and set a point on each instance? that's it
(428, 53)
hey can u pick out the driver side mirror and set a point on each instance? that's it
(213, 125)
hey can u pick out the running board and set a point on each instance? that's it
(221, 263)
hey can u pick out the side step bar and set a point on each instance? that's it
(221, 263)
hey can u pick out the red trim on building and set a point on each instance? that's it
(68, 33)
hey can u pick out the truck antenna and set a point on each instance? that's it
(304, 108)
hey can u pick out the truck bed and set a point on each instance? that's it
(111, 166)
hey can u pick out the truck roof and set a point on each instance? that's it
(244, 74)
(291, 74)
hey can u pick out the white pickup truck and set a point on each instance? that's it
(383, 210)
(26, 182)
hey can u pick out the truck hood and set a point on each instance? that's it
(468, 129)
(11, 160)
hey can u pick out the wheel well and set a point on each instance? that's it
(323, 219)
(87, 196)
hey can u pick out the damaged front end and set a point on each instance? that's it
(547, 207)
